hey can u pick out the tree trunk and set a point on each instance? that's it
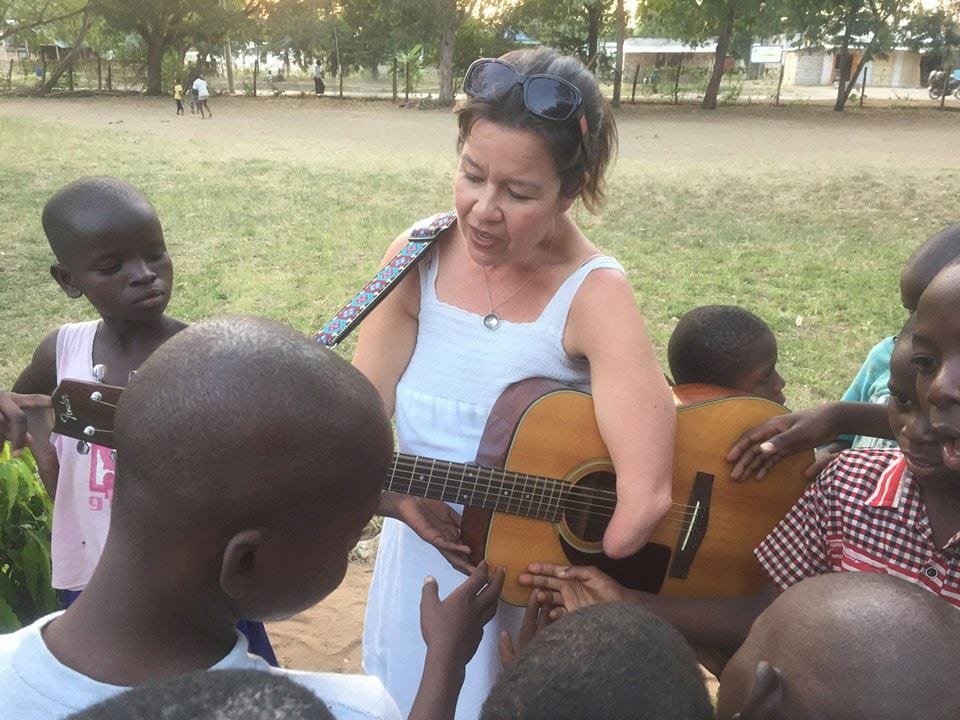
(52, 78)
(155, 49)
(228, 61)
(723, 43)
(842, 91)
(861, 68)
(618, 67)
(449, 21)
(594, 19)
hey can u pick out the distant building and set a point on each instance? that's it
(649, 53)
(821, 66)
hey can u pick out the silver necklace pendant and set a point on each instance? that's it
(491, 321)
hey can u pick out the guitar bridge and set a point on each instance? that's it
(693, 530)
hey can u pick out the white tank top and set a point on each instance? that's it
(448, 389)
(81, 508)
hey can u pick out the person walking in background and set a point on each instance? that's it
(178, 96)
(202, 93)
(318, 85)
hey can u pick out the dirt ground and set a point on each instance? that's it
(310, 127)
(328, 636)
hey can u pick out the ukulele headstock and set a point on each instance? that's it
(85, 411)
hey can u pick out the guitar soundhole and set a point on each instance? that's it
(588, 505)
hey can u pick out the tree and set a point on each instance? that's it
(699, 22)
(65, 63)
(451, 15)
(871, 25)
(23, 16)
(571, 26)
(161, 23)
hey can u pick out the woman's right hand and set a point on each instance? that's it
(435, 522)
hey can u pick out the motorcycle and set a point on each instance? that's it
(936, 85)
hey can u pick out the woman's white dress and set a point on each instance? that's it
(458, 370)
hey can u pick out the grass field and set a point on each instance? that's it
(284, 207)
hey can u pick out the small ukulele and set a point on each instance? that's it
(544, 488)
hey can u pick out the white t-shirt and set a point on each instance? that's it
(200, 85)
(34, 685)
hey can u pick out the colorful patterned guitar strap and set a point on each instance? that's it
(351, 314)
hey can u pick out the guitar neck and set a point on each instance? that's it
(474, 486)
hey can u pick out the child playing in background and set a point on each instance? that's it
(613, 661)
(883, 511)
(239, 494)
(859, 419)
(833, 647)
(728, 346)
(110, 249)
(178, 96)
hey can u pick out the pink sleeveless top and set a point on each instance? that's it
(81, 508)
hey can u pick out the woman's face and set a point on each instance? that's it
(507, 194)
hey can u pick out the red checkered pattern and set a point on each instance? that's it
(864, 513)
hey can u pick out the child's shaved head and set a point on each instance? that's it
(249, 459)
(89, 207)
(614, 661)
(857, 646)
(213, 695)
(938, 251)
(237, 419)
(725, 345)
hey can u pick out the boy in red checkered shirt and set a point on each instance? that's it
(887, 511)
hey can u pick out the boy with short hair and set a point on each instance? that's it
(833, 647)
(249, 461)
(859, 419)
(729, 346)
(885, 511)
(204, 695)
(614, 661)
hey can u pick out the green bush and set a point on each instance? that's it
(25, 518)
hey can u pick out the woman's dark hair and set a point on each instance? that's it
(579, 175)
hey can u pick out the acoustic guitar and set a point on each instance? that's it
(544, 489)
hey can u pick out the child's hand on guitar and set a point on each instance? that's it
(452, 627)
(438, 524)
(762, 447)
(535, 617)
(568, 588)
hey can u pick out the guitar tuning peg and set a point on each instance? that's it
(132, 373)
(83, 447)
(113, 457)
(96, 396)
(99, 371)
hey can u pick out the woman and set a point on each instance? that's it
(512, 290)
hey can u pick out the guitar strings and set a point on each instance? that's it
(588, 501)
(593, 497)
(513, 478)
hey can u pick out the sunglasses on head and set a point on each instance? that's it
(546, 96)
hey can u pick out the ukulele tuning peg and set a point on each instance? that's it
(130, 376)
(89, 431)
(96, 396)
(99, 371)
(113, 457)
(83, 447)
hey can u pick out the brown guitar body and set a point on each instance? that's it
(555, 435)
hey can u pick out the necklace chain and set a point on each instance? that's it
(491, 321)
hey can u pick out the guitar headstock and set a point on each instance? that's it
(85, 411)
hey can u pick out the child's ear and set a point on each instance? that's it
(65, 280)
(766, 695)
(238, 569)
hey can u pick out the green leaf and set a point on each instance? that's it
(8, 618)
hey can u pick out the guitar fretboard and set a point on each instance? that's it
(488, 488)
